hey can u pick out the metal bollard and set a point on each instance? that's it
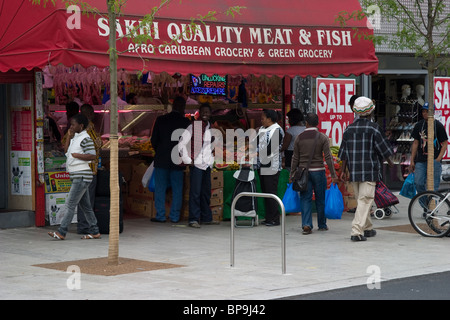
(283, 226)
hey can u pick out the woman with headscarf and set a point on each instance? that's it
(270, 138)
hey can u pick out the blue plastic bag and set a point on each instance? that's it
(151, 182)
(291, 200)
(334, 202)
(409, 187)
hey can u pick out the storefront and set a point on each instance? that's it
(301, 39)
(400, 89)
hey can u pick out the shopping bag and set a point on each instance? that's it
(409, 187)
(334, 202)
(151, 183)
(291, 200)
(383, 196)
(147, 175)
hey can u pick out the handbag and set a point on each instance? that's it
(334, 202)
(301, 174)
(291, 200)
(383, 196)
(300, 179)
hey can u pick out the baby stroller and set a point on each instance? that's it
(245, 206)
(384, 200)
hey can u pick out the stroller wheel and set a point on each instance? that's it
(387, 212)
(379, 214)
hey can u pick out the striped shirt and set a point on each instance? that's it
(364, 147)
(88, 148)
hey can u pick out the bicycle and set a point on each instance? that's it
(429, 214)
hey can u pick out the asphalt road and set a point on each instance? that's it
(434, 286)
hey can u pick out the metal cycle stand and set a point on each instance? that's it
(283, 226)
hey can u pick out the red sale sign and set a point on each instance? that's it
(333, 108)
(442, 105)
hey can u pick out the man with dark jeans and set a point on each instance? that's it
(198, 137)
(419, 151)
(199, 196)
(167, 173)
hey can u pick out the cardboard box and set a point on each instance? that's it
(55, 208)
(137, 190)
(349, 189)
(217, 213)
(138, 171)
(350, 202)
(126, 167)
(143, 207)
(216, 179)
(216, 197)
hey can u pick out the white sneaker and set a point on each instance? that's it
(194, 224)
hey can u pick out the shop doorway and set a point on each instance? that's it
(3, 146)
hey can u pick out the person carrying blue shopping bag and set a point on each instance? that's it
(310, 148)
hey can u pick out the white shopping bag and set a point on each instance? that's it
(147, 175)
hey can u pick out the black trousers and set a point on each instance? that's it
(269, 184)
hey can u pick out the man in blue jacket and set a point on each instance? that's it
(167, 174)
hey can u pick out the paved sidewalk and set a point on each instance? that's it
(317, 262)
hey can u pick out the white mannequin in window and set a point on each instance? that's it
(406, 91)
(420, 89)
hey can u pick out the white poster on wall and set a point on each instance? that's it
(333, 108)
(20, 164)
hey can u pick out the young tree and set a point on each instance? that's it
(115, 8)
(423, 27)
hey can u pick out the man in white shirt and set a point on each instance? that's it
(198, 138)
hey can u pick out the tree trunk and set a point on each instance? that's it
(430, 122)
(113, 251)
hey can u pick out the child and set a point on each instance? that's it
(80, 151)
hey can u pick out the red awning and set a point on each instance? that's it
(283, 37)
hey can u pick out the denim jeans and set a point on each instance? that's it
(200, 195)
(420, 176)
(83, 225)
(316, 180)
(166, 178)
(78, 195)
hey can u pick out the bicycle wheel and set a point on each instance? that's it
(429, 214)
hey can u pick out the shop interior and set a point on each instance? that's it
(398, 99)
(237, 102)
